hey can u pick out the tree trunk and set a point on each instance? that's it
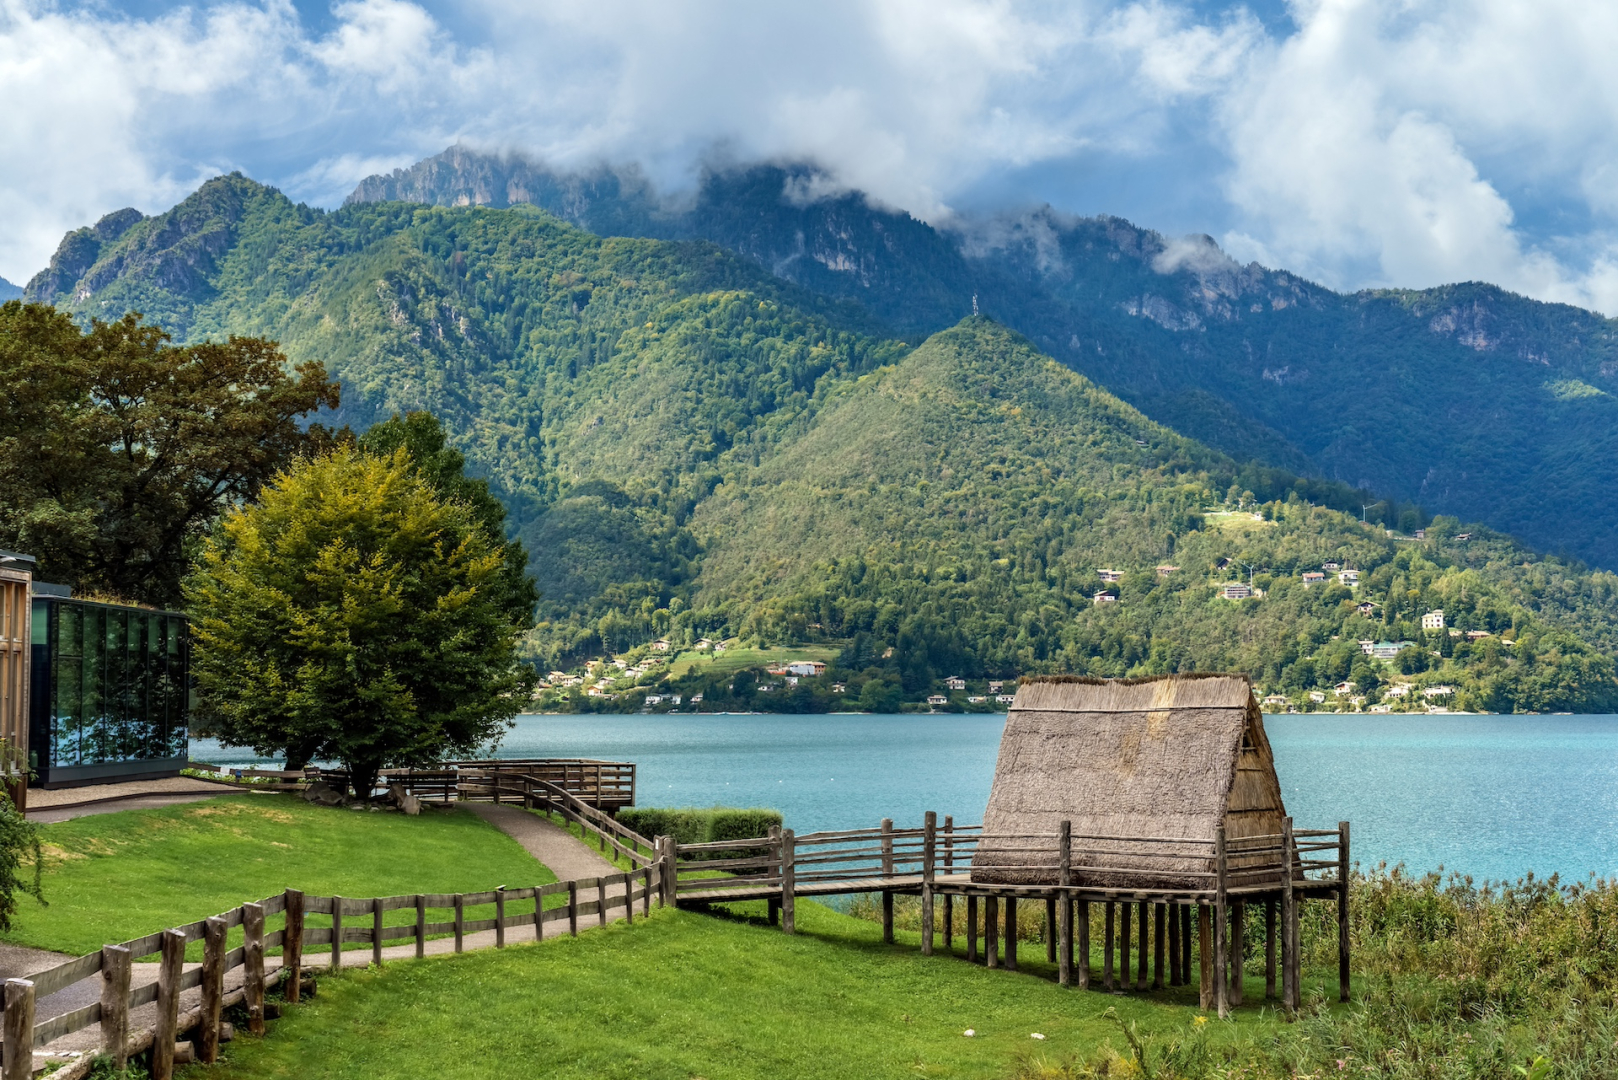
(362, 775)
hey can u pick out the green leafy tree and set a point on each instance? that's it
(118, 450)
(19, 846)
(356, 614)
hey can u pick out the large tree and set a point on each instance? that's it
(118, 449)
(357, 615)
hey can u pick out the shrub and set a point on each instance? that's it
(693, 826)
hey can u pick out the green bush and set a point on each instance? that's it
(693, 826)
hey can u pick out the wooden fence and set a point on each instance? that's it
(602, 785)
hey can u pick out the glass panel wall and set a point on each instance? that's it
(118, 684)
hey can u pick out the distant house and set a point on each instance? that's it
(839, 688)
(977, 699)
(1343, 689)
(1463, 537)
(1348, 577)
(703, 645)
(1165, 570)
(1382, 708)
(1235, 590)
(937, 699)
(807, 667)
(1313, 577)
(792, 680)
(1005, 699)
(1433, 620)
(1438, 691)
(1421, 534)
(1317, 697)
(654, 699)
(1398, 690)
(1276, 699)
(620, 664)
(1438, 708)
(1105, 597)
(596, 691)
(1110, 575)
(995, 686)
(1477, 635)
(1366, 608)
(1387, 650)
(955, 682)
(1332, 567)
(1367, 646)
(720, 646)
(661, 645)
(696, 699)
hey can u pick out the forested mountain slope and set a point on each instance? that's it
(692, 446)
(1465, 399)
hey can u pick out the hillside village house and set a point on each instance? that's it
(1313, 577)
(1343, 689)
(1366, 646)
(1438, 691)
(661, 645)
(996, 685)
(1165, 571)
(1110, 575)
(703, 645)
(1348, 577)
(1277, 700)
(1388, 650)
(1331, 567)
(937, 699)
(720, 646)
(1398, 690)
(1433, 620)
(1317, 696)
(1005, 699)
(1105, 597)
(1477, 635)
(839, 688)
(806, 667)
(1235, 590)
(1366, 608)
(955, 682)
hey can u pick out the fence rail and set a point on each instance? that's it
(601, 785)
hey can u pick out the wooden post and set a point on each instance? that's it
(971, 928)
(376, 931)
(1269, 949)
(168, 1005)
(773, 904)
(1050, 928)
(1343, 875)
(500, 917)
(252, 963)
(1205, 959)
(789, 882)
(1159, 921)
(421, 926)
(671, 871)
(1185, 945)
(213, 988)
(1221, 916)
(1174, 944)
(887, 872)
(1106, 948)
(629, 896)
(1011, 933)
(115, 976)
(949, 870)
(336, 933)
(601, 900)
(1145, 946)
(18, 1062)
(991, 931)
(459, 920)
(1083, 944)
(1064, 928)
(573, 908)
(1238, 949)
(1288, 915)
(292, 945)
(645, 893)
(1126, 938)
(929, 843)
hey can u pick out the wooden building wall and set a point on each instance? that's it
(15, 651)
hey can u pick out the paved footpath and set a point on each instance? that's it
(566, 856)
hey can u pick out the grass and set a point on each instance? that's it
(684, 995)
(735, 659)
(112, 877)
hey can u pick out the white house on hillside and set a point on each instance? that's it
(1433, 620)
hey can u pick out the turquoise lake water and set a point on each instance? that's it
(1491, 796)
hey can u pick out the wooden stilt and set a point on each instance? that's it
(1185, 945)
(1064, 929)
(1238, 949)
(949, 922)
(1145, 946)
(949, 868)
(1106, 950)
(1011, 933)
(1205, 958)
(972, 929)
(887, 916)
(1082, 945)
(1269, 950)
(1050, 929)
(1126, 938)
(887, 871)
(1289, 907)
(1221, 917)
(1343, 875)
(1159, 928)
(991, 931)
(929, 849)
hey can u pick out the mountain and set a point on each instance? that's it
(8, 291)
(1467, 400)
(692, 445)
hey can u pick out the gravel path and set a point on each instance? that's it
(567, 856)
(65, 804)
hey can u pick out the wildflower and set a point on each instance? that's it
(969, 1033)
(1341, 1064)
(1036, 1035)
(1198, 1021)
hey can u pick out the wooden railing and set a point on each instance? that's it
(112, 969)
(600, 784)
(538, 793)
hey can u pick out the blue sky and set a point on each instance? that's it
(1359, 142)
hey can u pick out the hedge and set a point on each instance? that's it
(692, 826)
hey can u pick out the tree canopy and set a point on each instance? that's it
(357, 615)
(118, 449)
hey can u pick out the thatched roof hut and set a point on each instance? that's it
(1171, 757)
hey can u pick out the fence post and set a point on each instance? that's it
(421, 926)
(460, 921)
(629, 896)
(671, 871)
(500, 917)
(539, 913)
(929, 843)
(601, 900)
(168, 1004)
(789, 882)
(213, 988)
(776, 854)
(1064, 927)
(115, 976)
(253, 960)
(573, 908)
(337, 933)
(19, 1030)
(292, 945)
(646, 892)
(887, 872)
(1289, 915)
(949, 897)
(1342, 910)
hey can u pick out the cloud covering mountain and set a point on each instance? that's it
(1361, 142)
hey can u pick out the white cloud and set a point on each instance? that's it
(1403, 142)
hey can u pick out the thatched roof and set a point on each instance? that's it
(1168, 757)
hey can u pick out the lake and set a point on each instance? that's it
(1491, 796)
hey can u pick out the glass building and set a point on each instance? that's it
(110, 691)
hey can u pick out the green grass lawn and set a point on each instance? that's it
(735, 659)
(686, 995)
(112, 877)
